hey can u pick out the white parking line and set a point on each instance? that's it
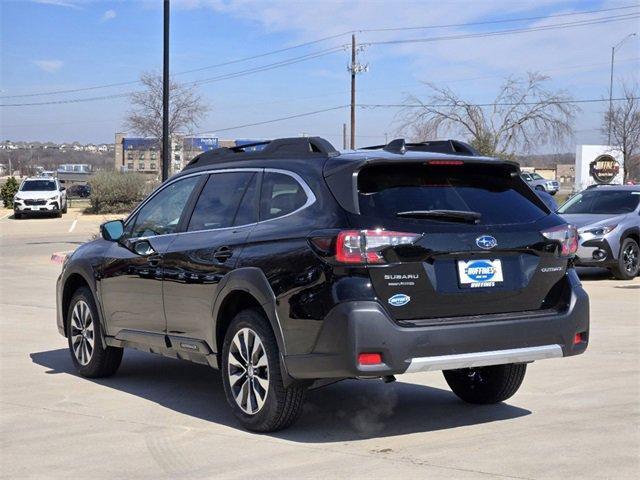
(73, 225)
(5, 216)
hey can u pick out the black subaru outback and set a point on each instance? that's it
(288, 263)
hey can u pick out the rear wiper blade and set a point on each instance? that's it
(449, 215)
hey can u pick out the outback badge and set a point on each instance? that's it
(399, 299)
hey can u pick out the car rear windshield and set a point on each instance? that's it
(490, 190)
(38, 185)
(602, 202)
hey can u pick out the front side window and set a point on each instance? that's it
(281, 195)
(161, 215)
(602, 202)
(38, 185)
(537, 176)
(224, 201)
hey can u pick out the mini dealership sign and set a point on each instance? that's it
(604, 169)
(598, 165)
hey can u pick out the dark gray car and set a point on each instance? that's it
(608, 220)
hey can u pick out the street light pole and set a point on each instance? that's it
(166, 141)
(613, 54)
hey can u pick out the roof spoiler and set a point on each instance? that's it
(453, 147)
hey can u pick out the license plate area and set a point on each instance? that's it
(480, 273)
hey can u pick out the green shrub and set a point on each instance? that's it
(8, 191)
(115, 192)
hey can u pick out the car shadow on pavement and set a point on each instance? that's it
(343, 411)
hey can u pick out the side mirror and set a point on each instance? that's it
(112, 231)
(62, 189)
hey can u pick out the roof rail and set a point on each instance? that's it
(280, 147)
(437, 146)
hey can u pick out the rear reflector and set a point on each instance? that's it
(366, 246)
(369, 359)
(579, 338)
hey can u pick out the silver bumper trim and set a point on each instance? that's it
(483, 359)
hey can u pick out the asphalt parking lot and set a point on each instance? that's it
(573, 418)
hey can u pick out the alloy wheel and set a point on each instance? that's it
(82, 332)
(630, 258)
(248, 371)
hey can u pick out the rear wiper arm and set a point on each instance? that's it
(450, 215)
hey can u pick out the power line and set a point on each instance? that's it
(513, 31)
(240, 73)
(491, 22)
(300, 45)
(289, 117)
(493, 104)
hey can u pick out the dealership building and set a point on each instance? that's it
(140, 154)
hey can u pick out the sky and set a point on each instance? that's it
(52, 45)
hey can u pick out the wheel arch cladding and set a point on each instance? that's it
(71, 286)
(233, 303)
(244, 288)
(633, 233)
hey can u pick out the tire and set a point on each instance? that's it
(628, 260)
(17, 216)
(486, 385)
(540, 188)
(265, 404)
(64, 210)
(58, 214)
(89, 357)
(553, 193)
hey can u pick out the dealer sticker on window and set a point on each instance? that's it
(479, 273)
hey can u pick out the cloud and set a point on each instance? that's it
(57, 3)
(49, 66)
(109, 15)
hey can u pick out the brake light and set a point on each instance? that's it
(445, 162)
(566, 235)
(366, 246)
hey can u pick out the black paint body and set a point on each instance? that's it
(179, 300)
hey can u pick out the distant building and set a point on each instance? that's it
(566, 175)
(139, 154)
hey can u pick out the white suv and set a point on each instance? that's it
(40, 195)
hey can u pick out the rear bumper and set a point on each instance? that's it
(352, 328)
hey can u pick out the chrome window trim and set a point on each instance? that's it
(311, 198)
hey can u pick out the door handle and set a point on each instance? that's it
(223, 254)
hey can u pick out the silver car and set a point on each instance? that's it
(608, 222)
(538, 182)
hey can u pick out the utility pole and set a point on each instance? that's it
(353, 92)
(166, 141)
(344, 136)
(355, 68)
(613, 53)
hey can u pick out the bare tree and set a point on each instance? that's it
(625, 127)
(523, 115)
(186, 108)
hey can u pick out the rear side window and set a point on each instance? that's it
(281, 195)
(221, 200)
(490, 190)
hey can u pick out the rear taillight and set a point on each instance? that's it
(366, 246)
(566, 235)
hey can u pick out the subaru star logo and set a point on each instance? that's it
(486, 242)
